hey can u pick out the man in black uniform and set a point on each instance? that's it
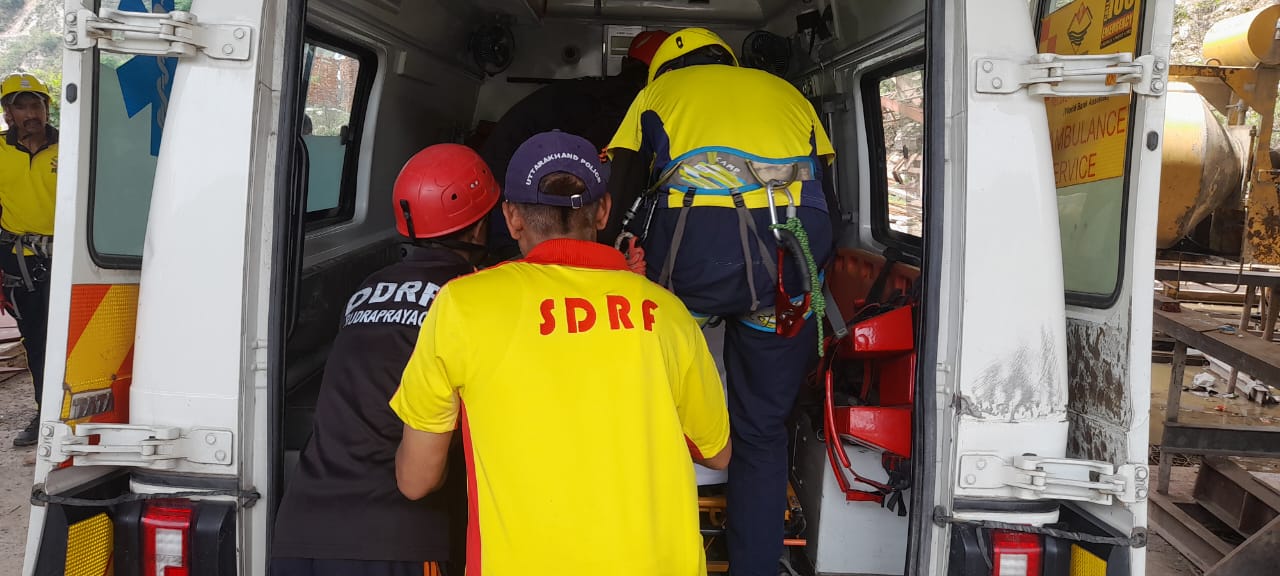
(342, 512)
(588, 107)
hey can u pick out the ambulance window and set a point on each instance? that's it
(130, 97)
(893, 98)
(338, 77)
(1090, 143)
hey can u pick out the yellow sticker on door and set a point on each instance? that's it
(1089, 134)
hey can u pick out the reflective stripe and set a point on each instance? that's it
(99, 368)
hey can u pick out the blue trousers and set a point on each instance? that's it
(764, 371)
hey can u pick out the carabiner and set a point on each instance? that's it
(772, 184)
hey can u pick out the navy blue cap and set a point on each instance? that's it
(548, 153)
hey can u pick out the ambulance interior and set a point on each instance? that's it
(378, 80)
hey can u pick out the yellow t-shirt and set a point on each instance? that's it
(28, 185)
(741, 111)
(586, 387)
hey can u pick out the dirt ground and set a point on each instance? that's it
(16, 410)
(1164, 560)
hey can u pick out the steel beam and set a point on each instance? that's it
(1171, 412)
(1246, 352)
(1202, 547)
(1211, 440)
(1217, 275)
(1233, 495)
(1257, 555)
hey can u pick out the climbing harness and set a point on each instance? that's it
(793, 239)
(766, 319)
(633, 250)
(720, 172)
(35, 270)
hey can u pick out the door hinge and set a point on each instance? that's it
(155, 447)
(174, 33)
(1083, 75)
(1035, 478)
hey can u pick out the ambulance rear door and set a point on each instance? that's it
(146, 364)
(1054, 125)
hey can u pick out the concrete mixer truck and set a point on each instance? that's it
(1218, 189)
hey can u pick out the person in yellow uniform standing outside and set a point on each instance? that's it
(588, 390)
(28, 185)
(716, 138)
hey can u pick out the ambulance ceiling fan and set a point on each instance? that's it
(492, 44)
(767, 51)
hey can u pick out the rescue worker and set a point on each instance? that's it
(342, 512)
(586, 388)
(28, 189)
(588, 107)
(716, 137)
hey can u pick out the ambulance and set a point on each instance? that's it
(982, 403)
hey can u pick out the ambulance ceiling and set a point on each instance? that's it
(737, 11)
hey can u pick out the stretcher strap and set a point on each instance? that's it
(833, 314)
(746, 229)
(747, 226)
(676, 238)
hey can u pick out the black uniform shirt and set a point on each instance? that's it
(342, 501)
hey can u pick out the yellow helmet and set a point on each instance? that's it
(684, 42)
(19, 83)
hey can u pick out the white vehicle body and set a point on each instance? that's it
(181, 356)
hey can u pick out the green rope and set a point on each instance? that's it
(818, 303)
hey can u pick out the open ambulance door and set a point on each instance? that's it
(1054, 119)
(102, 203)
(131, 68)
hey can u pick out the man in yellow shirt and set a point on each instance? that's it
(588, 392)
(28, 184)
(714, 138)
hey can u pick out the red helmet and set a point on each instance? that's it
(645, 44)
(443, 189)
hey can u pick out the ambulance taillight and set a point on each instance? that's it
(1015, 553)
(166, 537)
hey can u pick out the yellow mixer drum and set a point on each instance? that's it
(1244, 40)
(1199, 166)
